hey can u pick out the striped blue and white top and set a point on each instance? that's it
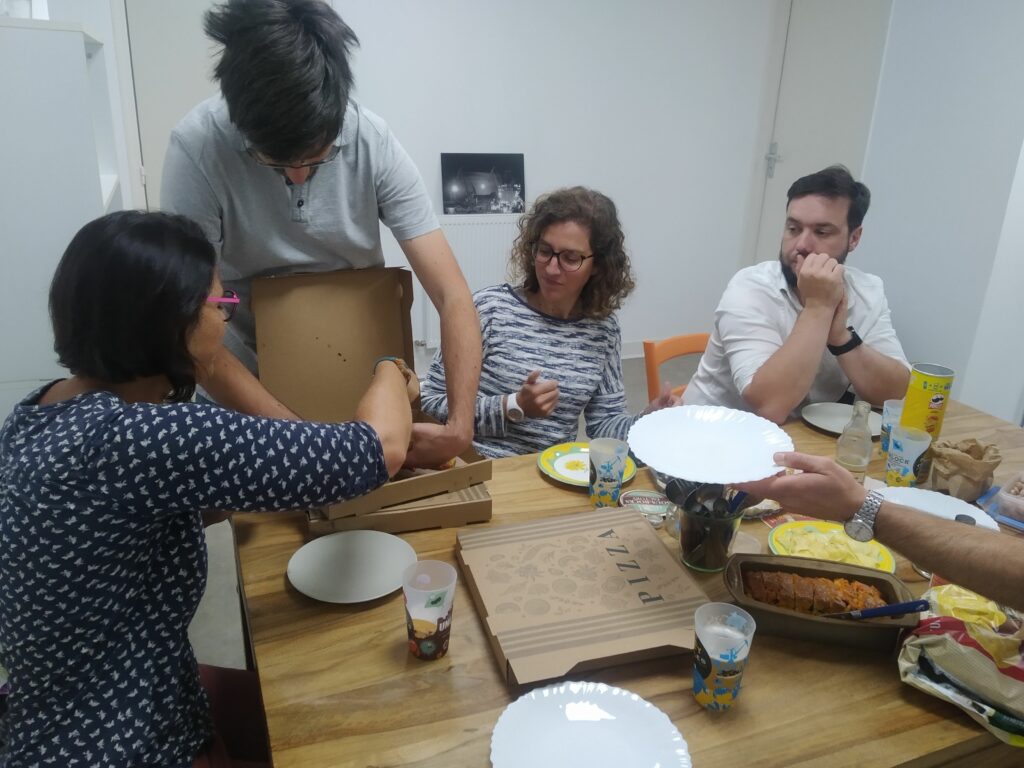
(583, 355)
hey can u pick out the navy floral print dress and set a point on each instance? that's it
(103, 562)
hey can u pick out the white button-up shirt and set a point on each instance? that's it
(756, 315)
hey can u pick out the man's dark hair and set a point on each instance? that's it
(284, 72)
(126, 295)
(834, 182)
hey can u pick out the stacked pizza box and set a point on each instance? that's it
(318, 337)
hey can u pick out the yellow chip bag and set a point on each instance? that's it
(969, 607)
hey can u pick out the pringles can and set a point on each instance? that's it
(924, 406)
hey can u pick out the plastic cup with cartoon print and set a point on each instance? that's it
(607, 466)
(892, 410)
(908, 449)
(723, 637)
(429, 589)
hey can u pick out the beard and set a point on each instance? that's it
(791, 276)
(787, 272)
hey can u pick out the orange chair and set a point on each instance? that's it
(657, 352)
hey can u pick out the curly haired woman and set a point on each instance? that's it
(552, 343)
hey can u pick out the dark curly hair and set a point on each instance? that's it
(126, 295)
(612, 278)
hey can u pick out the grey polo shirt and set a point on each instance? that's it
(261, 225)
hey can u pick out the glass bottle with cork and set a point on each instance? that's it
(854, 447)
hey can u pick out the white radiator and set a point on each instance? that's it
(482, 245)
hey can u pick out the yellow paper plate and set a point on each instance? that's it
(827, 541)
(569, 463)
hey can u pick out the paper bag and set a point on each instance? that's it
(963, 468)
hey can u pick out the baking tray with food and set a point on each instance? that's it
(796, 592)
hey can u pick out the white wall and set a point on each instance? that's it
(994, 379)
(661, 105)
(834, 51)
(120, 157)
(172, 61)
(52, 186)
(941, 159)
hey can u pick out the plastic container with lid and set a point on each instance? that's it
(654, 505)
(1010, 499)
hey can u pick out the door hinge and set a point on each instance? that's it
(142, 174)
(772, 157)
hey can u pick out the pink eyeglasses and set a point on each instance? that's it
(227, 303)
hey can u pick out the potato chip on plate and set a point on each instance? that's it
(823, 540)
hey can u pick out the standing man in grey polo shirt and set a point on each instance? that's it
(285, 173)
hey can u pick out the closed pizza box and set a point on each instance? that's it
(317, 338)
(564, 595)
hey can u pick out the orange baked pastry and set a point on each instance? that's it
(810, 594)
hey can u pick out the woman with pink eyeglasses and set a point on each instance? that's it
(104, 477)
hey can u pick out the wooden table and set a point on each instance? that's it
(340, 688)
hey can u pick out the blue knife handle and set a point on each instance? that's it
(892, 610)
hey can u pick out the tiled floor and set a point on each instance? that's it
(216, 631)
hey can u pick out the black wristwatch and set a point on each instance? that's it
(854, 342)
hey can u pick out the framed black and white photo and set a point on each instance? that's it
(482, 183)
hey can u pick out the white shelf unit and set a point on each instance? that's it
(57, 150)
(110, 188)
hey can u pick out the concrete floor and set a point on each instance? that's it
(216, 631)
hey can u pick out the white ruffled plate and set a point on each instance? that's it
(938, 504)
(833, 417)
(589, 724)
(709, 444)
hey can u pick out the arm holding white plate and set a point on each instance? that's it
(986, 562)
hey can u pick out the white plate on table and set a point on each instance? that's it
(938, 504)
(708, 444)
(833, 417)
(350, 566)
(586, 724)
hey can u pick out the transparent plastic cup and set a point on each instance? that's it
(607, 466)
(724, 634)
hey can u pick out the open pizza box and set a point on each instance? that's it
(317, 338)
(472, 504)
(565, 595)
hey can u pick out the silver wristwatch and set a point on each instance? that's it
(512, 410)
(861, 527)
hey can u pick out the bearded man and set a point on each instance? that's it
(806, 328)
